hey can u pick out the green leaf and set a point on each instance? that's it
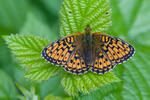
(7, 88)
(28, 49)
(52, 97)
(103, 92)
(76, 14)
(73, 84)
(27, 95)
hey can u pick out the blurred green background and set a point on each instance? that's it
(130, 21)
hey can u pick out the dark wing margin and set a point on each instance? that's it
(117, 49)
(112, 50)
(64, 52)
(58, 52)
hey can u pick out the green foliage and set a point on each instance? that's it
(75, 15)
(7, 87)
(74, 84)
(51, 97)
(32, 24)
(12, 15)
(28, 49)
(27, 95)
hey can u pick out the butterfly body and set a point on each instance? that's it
(81, 52)
(87, 44)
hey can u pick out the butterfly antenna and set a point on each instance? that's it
(87, 29)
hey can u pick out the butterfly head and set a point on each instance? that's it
(88, 29)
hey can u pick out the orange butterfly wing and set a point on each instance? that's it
(66, 52)
(109, 51)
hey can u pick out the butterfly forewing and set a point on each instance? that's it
(109, 51)
(67, 52)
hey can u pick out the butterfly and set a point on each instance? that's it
(81, 52)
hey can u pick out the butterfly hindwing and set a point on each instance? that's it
(101, 63)
(113, 51)
(76, 64)
(65, 52)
